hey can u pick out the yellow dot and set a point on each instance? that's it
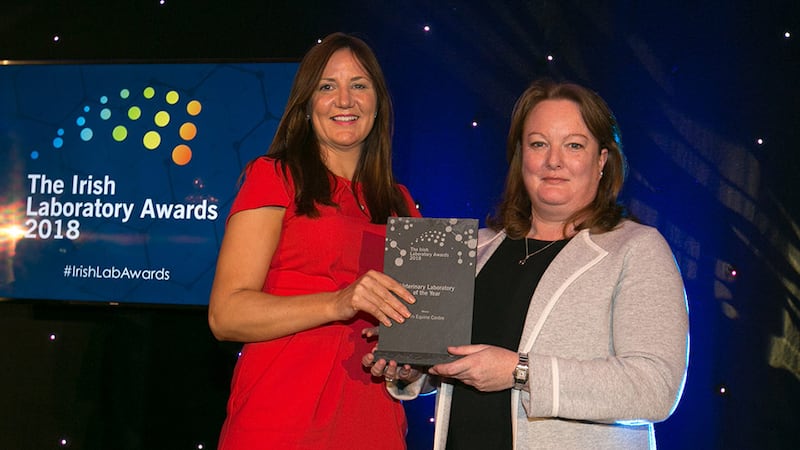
(194, 107)
(149, 92)
(172, 97)
(182, 154)
(134, 113)
(162, 118)
(187, 131)
(151, 140)
(119, 133)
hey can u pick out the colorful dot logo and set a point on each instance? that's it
(130, 110)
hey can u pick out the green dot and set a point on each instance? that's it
(149, 92)
(134, 113)
(119, 133)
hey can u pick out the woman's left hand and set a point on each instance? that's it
(484, 367)
(389, 370)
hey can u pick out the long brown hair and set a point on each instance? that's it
(296, 146)
(604, 212)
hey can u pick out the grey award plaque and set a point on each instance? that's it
(435, 260)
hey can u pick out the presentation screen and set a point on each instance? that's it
(116, 179)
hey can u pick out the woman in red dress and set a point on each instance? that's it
(298, 276)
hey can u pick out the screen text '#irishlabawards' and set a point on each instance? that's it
(60, 204)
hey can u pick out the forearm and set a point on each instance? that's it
(251, 316)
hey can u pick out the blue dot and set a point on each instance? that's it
(86, 134)
(34, 155)
(104, 99)
(60, 132)
(81, 121)
(58, 142)
(86, 108)
(105, 114)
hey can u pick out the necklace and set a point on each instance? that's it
(522, 261)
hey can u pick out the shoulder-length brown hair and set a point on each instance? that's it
(604, 212)
(296, 146)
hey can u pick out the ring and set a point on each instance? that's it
(389, 379)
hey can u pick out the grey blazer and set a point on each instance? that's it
(607, 338)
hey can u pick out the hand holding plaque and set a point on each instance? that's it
(435, 260)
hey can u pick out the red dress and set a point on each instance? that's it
(308, 390)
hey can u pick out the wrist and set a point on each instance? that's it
(521, 372)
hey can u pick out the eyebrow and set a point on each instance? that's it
(568, 136)
(358, 78)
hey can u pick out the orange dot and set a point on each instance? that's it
(188, 131)
(193, 108)
(181, 154)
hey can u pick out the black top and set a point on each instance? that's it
(503, 290)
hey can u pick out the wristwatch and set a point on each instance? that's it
(521, 372)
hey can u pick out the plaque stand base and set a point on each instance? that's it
(415, 359)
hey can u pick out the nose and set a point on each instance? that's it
(553, 159)
(344, 98)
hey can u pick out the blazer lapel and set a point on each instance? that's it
(578, 256)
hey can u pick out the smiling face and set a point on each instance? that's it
(344, 105)
(561, 160)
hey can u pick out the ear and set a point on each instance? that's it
(603, 158)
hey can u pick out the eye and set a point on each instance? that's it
(537, 145)
(360, 86)
(325, 87)
(575, 146)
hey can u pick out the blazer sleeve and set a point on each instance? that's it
(637, 372)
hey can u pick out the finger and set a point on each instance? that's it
(390, 371)
(394, 286)
(370, 332)
(370, 296)
(452, 369)
(393, 296)
(463, 350)
(368, 360)
(378, 368)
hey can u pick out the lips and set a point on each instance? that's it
(344, 118)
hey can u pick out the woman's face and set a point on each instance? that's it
(561, 160)
(344, 104)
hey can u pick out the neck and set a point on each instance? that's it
(342, 164)
(549, 230)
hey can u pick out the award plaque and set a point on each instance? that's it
(435, 260)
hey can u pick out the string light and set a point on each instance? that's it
(426, 28)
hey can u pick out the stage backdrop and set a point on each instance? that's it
(117, 178)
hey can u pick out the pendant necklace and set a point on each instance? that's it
(522, 261)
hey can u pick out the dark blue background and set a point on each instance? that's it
(693, 84)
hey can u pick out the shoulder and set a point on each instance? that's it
(488, 241)
(488, 236)
(403, 190)
(632, 236)
(627, 230)
(265, 166)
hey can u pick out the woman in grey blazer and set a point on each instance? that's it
(580, 319)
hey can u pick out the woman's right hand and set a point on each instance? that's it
(378, 295)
